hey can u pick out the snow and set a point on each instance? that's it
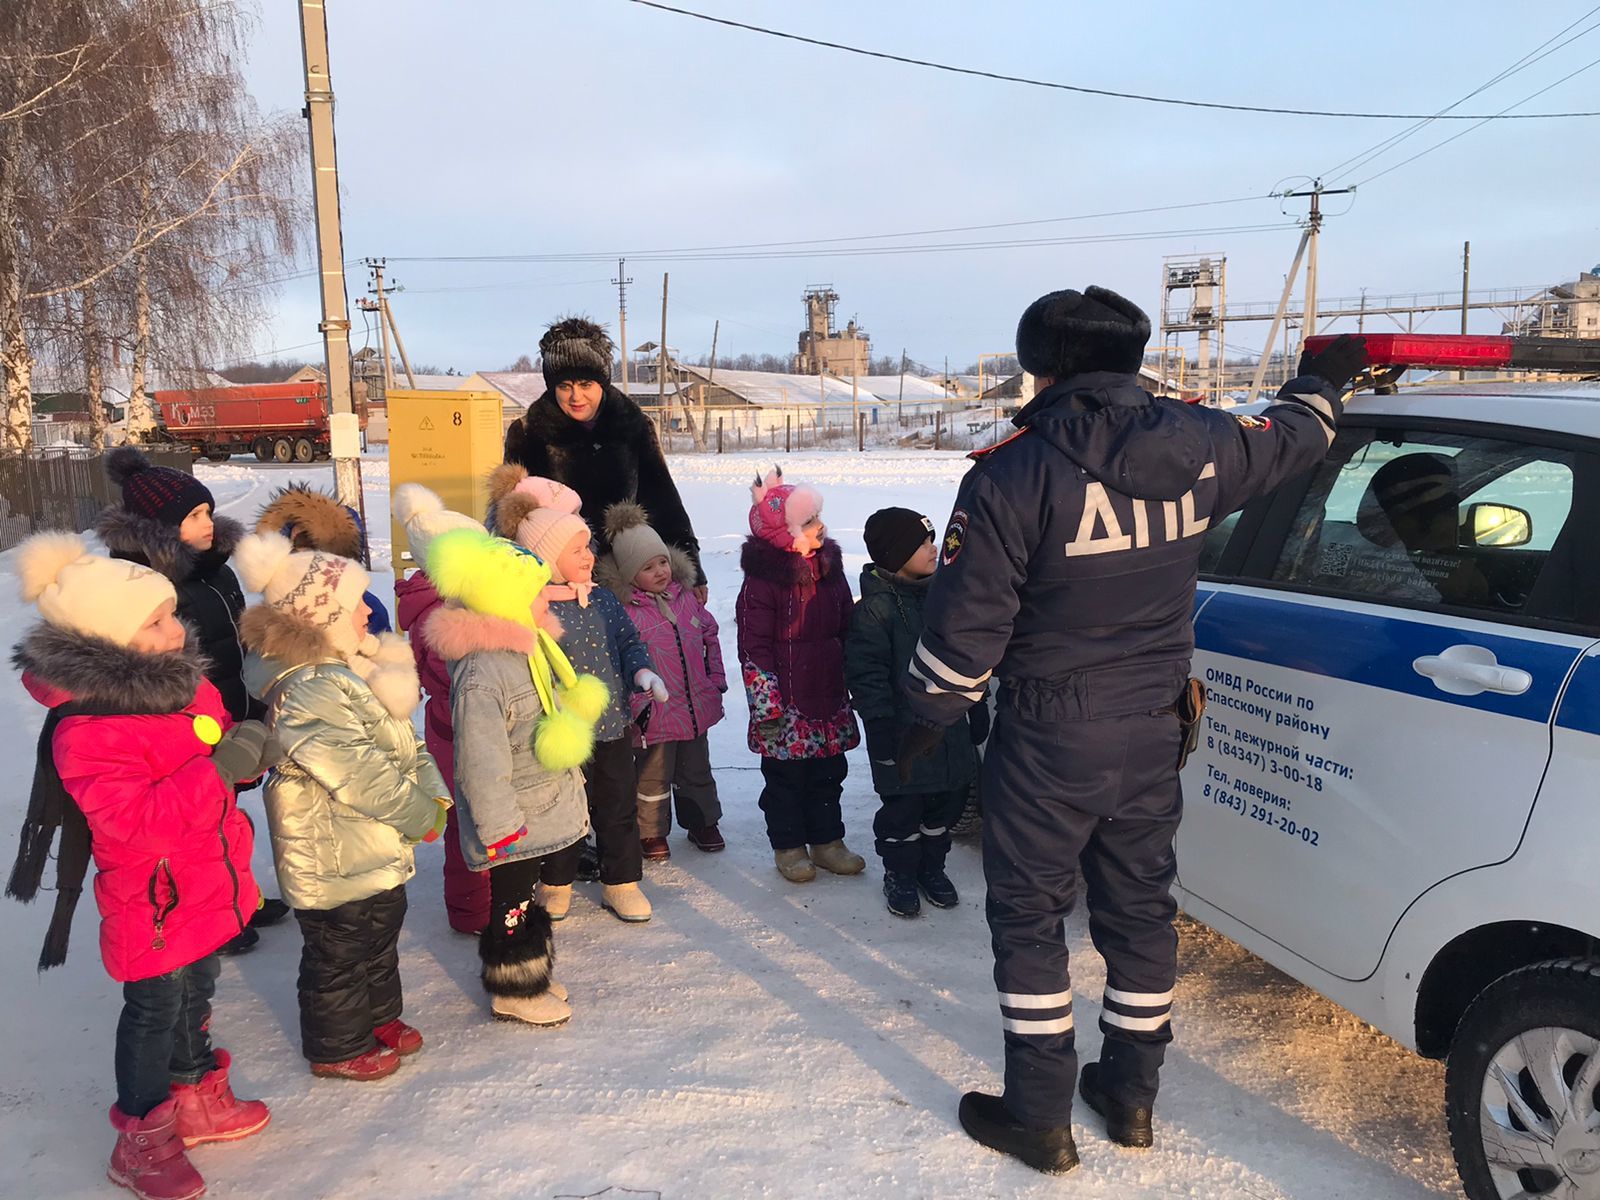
(754, 1039)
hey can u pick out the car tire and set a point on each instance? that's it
(1522, 1084)
(283, 450)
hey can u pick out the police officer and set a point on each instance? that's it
(1068, 569)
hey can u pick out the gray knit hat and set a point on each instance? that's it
(633, 542)
(575, 348)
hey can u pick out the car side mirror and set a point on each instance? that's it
(1497, 525)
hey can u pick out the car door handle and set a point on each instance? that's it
(1471, 671)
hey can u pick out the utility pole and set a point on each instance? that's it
(394, 328)
(346, 432)
(1466, 277)
(900, 400)
(855, 391)
(1308, 252)
(622, 281)
(711, 372)
(376, 267)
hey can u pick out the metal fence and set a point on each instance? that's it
(958, 429)
(62, 488)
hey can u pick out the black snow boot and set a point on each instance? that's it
(1130, 1127)
(242, 944)
(900, 893)
(935, 884)
(270, 913)
(588, 862)
(988, 1122)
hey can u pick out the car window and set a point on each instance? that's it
(1216, 542)
(1436, 519)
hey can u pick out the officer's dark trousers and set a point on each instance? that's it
(1104, 793)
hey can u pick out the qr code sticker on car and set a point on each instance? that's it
(1335, 560)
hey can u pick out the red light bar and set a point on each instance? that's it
(1474, 352)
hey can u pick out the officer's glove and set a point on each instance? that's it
(1338, 363)
(919, 741)
(881, 742)
(978, 718)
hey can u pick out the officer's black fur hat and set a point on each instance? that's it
(1067, 333)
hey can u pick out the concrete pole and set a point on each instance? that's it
(383, 331)
(346, 434)
(1277, 319)
(1466, 277)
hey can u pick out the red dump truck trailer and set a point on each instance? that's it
(277, 422)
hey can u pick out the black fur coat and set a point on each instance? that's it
(617, 459)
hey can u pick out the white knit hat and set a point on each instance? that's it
(100, 597)
(424, 517)
(319, 590)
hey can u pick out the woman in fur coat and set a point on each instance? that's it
(354, 791)
(586, 434)
(793, 614)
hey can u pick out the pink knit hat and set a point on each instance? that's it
(550, 493)
(782, 510)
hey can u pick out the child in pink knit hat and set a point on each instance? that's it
(793, 614)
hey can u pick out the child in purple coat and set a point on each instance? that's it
(655, 583)
(793, 614)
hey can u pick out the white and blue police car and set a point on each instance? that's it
(1395, 797)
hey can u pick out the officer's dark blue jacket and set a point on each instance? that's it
(1070, 560)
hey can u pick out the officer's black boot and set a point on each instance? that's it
(935, 884)
(1128, 1126)
(900, 893)
(988, 1122)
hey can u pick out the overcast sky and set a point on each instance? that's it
(603, 127)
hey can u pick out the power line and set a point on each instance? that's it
(865, 237)
(732, 255)
(1440, 145)
(1538, 54)
(1092, 91)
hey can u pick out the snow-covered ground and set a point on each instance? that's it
(754, 1039)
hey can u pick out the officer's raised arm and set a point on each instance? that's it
(1257, 453)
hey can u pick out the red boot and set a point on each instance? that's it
(374, 1064)
(208, 1111)
(148, 1158)
(403, 1039)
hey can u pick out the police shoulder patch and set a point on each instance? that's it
(954, 536)
(980, 455)
(1256, 423)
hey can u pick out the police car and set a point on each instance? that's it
(1395, 797)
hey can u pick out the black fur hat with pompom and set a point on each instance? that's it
(160, 493)
(1068, 333)
(575, 348)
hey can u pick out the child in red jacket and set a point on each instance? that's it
(137, 764)
(793, 614)
(423, 516)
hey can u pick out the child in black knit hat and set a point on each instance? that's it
(167, 521)
(912, 828)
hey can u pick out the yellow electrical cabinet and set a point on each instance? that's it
(448, 442)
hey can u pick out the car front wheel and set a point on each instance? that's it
(1522, 1085)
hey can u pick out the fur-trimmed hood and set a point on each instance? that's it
(607, 576)
(762, 560)
(313, 520)
(145, 540)
(278, 644)
(60, 665)
(455, 632)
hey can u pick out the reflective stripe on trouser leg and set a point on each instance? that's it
(1031, 843)
(1129, 866)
